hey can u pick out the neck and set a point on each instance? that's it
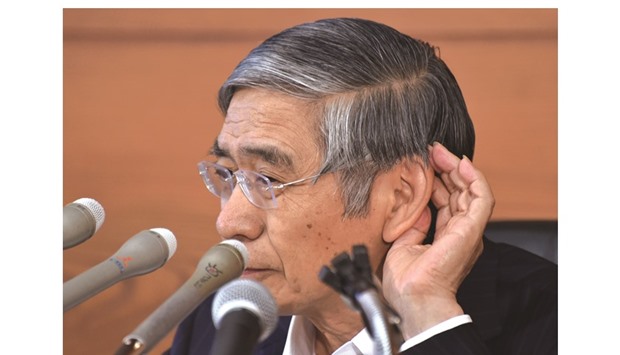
(334, 326)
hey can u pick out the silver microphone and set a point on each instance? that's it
(81, 219)
(144, 252)
(219, 265)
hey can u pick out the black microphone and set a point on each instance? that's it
(354, 280)
(219, 265)
(81, 219)
(244, 313)
(141, 254)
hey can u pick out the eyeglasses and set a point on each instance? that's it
(257, 188)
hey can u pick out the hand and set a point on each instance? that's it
(421, 281)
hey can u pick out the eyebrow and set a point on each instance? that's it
(268, 153)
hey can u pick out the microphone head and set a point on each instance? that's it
(249, 295)
(243, 251)
(146, 251)
(169, 238)
(94, 208)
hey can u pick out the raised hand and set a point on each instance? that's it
(420, 281)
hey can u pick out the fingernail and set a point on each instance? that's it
(466, 159)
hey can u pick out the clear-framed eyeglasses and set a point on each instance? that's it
(257, 188)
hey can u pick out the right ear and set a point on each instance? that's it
(412, 192)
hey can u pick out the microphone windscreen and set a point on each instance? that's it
(94, 208)
(82, 218)
(169, 239)
(249, 295)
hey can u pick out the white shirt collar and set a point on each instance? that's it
(301, 335)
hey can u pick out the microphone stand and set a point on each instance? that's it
(353, 279)
(129, 347)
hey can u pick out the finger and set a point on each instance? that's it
(462, 189)
(476, 181)
(457, 183)
(481, 199)
(442, 160)
(464, 176)
(446, 164)
(463, 201)
(441, 199)
(481, 208)
(449, 182)
(459, 202)
(440, 195)
(468, 172)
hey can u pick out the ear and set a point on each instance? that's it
(412, 188)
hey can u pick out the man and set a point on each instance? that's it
(343, 132)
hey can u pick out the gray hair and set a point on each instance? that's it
(384, 97)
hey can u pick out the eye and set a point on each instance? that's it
(271, 179)
(223, 172)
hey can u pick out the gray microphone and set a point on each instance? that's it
(220, 264)
(144, 252)
(244, 313)
(81, 219)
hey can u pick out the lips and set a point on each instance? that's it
(254, 271)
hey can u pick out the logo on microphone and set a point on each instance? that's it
(121, 263)
(212, 271)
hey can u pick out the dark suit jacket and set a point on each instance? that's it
(510, 294)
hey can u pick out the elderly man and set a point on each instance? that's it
(343, 132)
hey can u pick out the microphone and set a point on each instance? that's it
(81, 219)
(219, 265)
(245, 313)
(354, 280)
(142, 253)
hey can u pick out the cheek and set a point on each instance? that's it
(321, 240)
(306, 243)
(308, 232)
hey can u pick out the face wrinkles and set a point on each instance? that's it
(268, 153)
(267, 133)
(287, 245)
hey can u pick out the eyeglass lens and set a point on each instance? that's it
(256, 187)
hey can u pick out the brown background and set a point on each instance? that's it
(139, 113)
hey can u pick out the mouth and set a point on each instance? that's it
(254, 272)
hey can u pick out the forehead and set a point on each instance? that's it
(269, 126)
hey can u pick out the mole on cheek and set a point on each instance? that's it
(309, 225)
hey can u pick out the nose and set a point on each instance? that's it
(238, 218)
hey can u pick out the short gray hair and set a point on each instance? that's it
(384, 96)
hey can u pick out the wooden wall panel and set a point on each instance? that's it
(139, 112)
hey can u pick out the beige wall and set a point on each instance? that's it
(139, 113)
